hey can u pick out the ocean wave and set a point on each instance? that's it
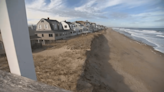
(147, 35)
(151, 32)
(160, 36)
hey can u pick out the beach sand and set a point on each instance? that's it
(140, 66)
(125, 65)
(104, 61)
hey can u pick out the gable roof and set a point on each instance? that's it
(81, 22)
(50, 21)
(68, 22)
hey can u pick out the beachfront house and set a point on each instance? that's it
(66, 25)
(71, 27)
(102, 27)
(97, 27)
(50, 30)
(77, 27)
(93, 27)
(86, 26)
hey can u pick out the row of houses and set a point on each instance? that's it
(50, 30)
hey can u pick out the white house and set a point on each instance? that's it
(93, 27)
(86, 26)
(65, 25)
(98, 27)
(78, 27)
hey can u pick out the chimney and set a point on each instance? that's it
(48, 18)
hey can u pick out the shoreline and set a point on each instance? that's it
(152, 48)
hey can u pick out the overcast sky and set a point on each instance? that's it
(112, 13)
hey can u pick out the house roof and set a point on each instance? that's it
(81, 22)
(68, 22)
(93, 23)
(50, 21)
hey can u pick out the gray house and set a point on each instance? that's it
(77, 27)
(87, 26)
(93, 27)
(49, 30)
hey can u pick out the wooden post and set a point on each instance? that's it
(15, 34)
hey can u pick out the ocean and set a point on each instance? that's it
(151, 36)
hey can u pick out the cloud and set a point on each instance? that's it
(34, 16)
(97, 10)
(92, 6)
(56, 9)
(159, 20)
(118, 15)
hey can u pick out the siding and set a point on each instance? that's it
(43, 26)
(46, 36)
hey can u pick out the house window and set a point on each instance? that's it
(39, 27)
(42, 35)
(65, 26)
(55, 26)
(46, 26)
(60, 26)
(56, 35)
(50, 35)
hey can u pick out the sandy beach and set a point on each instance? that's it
(130, 66)
(104, 61)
